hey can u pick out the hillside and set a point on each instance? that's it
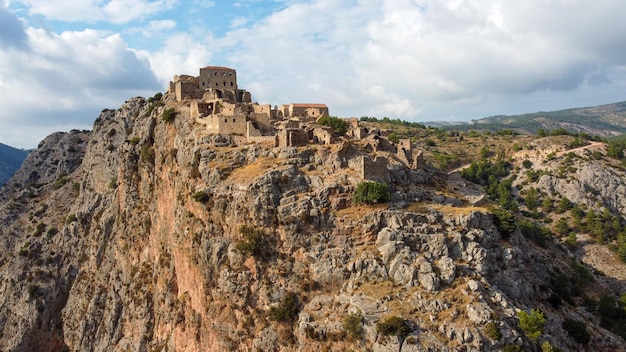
(605, 121)
(151, 234)
(10, 160)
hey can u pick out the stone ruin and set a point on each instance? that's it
(216, 101)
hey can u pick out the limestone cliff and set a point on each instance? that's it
(147, 235)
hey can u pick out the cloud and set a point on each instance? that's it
(408, 58)
(66, 80)
(112, 11)
(179, 55)
(156, 28)
(12, 32)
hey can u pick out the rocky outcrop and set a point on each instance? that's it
(164, 238)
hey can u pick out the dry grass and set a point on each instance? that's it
(246, 174)
(357, 212)
(424, 208)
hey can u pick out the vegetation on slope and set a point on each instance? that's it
(10, 160)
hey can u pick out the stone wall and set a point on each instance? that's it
(323, 135)
(374, 169)
(201, 109)
(187, 90)
(308, 110)
(293, 137)
(217, 77)
(225, 124)
(262, 113)
(405, 151)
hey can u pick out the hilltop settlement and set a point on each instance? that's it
(215, 100)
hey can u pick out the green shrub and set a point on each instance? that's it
(504, 221)
(534, 232)
(169, 114)
(577, 330)
(155, 98)
(255, 242)
(113, 182)
(371, 192)
(340, 126)
(532, 323)
(60, 182)
(492, 331)
(546, 346)
(393, 326)
(286, 311)
(200, 196)
(512, 348)
(41, 228)
(613, 314)
(353, 325)
(70, 219)
(147, 153)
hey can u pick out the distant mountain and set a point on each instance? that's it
(10, 160)
(604, 120)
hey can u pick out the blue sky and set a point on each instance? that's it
(63, 61)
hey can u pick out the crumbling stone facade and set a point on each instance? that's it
(217, 77)
(216, 101)
(293, 137)
(323, 135)
(374, 169)
(313, 111)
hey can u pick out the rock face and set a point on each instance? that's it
(148, 235)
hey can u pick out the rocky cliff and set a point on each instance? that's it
(151, 235)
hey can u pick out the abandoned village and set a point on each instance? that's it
(216, 101)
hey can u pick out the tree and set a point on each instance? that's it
(561, 226)
(340, 126)
(255, 242)
(485, 152)
(577, 330)
(564, 205)
(286, 311)
(169, 114)
(393, 326)
(371, 192)
(532, 323)
(530, 198)
(504, 221)
(353, 325)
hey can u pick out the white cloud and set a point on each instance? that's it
(155, 28)
(113, 11)
(66, 80)
(179, 55)
(410, 59)
(407, 57)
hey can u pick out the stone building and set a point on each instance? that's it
(313, 111)
(292, 137)
(217, 77)
(374, 169)
(219, 82)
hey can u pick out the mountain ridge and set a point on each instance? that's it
(10, 161)
(150, 234)
(608, 120)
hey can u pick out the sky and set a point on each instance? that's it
(64, 61)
